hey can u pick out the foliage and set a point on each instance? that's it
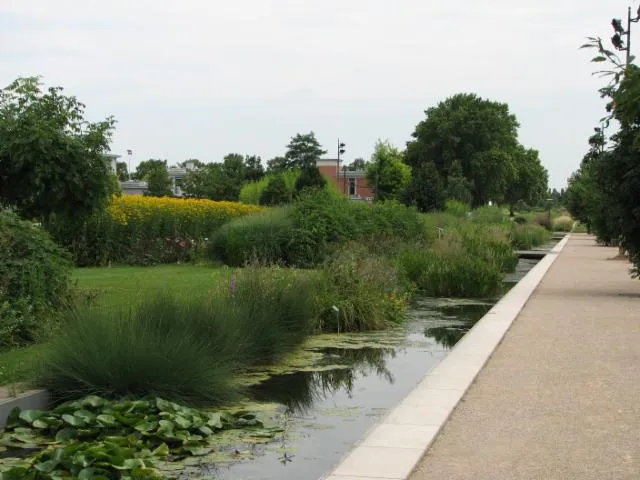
(122, 171)
(34, 280)
(276, 191)
(181, 349)
(458, 187)
(265, 237)
(220, 181)
(359, 164)
(563, 224)
(488, 214)
(96, 438)
(310, 178)
(51, 159)
(253, 169)
(531, 180)
(450, 275)
(364, 287)
(480, 134)
(145, 230)
(426, 191)
(303, 151)
(314, 222)
(457, 208)
(252, 191)
(388, 172)
(155, 173)
(527, 236)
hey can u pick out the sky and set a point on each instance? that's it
(202, 78)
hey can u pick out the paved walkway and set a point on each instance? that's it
(560, 397)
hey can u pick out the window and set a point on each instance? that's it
(352, 186)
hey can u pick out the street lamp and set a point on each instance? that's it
(129, 153)
(341, 151)
(619, 31)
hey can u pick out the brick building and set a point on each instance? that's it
(353, 183)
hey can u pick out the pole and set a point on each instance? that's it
(338, 166)
(628, 36)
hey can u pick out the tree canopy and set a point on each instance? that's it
(52, 160)
(387, 172)
(154, 172)
(482, 135)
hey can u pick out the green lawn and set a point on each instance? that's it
(122, 285)
(111, 287)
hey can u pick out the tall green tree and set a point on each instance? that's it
(122, 171)
(458, 187)
(303, 151)
(387, 171)
(278, 165)
(52, 160)
(154, 172)
(426, 190)
(217, 181)
(358, 164)
(480, 133)
(253, 169)
(530, 184)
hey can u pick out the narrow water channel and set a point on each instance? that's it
(355, 379)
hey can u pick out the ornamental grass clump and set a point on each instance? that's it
(527, 236)
(185, 350)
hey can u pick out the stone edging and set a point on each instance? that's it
(392, 448)
(29, 400)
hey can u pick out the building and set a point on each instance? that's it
(352, 183)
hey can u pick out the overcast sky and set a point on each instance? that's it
(201, 78)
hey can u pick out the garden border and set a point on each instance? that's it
(393, 447)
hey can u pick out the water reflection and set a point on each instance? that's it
(299, 391)
(461, 318)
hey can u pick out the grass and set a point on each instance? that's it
(185, 349)
(17, 365)
(111, 287)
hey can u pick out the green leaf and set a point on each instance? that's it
(599, 58)
(86, 474)
(162, 450)
(131, 463)
(31, 416)
(85, 415)
(215, 421)
(198, 451)
(94, 401)
(182, 422)
(13, 420)
(47, 466)
(106, 420)
(40, 424)
(148, 427)
(65, 435)
(73, 420)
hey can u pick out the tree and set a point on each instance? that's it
(303, 151)
(52, 160)
(216, 181)
(458, 187)
(426, 190)
(278, 165)
(276, 192)
(531, 182)
(154, 172)
(479, 133)
(122, 171)
(253, 169)
(387, 171)
(310, 178)
(359, 164)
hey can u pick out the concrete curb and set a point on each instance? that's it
(392, 448)
(29, 400)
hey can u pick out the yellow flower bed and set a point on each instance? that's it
(124, 209)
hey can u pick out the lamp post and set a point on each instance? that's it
(619, 31)
(129, 153)
(341, 151)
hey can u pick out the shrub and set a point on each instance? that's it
(527, 236)
(563, 224)
(544, 220)
(365, 289)
(34, 280)
(450, 275)
(265, 237)
(457, 208)
(276, 192)
(489, 214)
(252, 191)
(184, 350)
(146, 230)
(302, 234)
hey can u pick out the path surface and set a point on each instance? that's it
(560, 397)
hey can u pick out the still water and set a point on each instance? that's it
(358, 378)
